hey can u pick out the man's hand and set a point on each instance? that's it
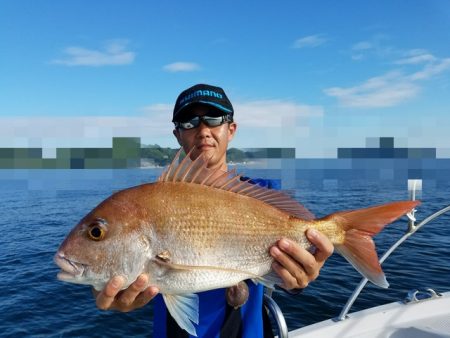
(297, 266)
(135, 296)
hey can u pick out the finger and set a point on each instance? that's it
(324, 247)
(289, 281)
(106, 297)
(293, 274)
(146, 296)
(129, 295)
(296, 257)
(141, 300)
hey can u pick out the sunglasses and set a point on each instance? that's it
(210, 121)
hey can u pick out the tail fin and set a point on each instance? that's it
(360, 226)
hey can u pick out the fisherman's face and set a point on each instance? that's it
(211, 141)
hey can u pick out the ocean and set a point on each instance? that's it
(39, 207)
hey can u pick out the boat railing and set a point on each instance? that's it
(412, 228)
(277, 314)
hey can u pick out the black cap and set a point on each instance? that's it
(202, 94)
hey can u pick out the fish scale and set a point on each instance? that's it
(248, 238)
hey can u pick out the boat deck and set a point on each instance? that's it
(424, 318)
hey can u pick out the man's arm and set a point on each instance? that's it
(135, 296)
(297, 266)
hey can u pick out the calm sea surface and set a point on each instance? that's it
(39, 207)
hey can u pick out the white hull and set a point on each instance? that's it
(426, 318)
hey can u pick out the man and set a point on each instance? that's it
(203, 118)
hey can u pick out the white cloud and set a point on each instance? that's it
(431, 70)
(382, 91)
(157, 109)
(86, 131)
(359, 49)
(357, 57)
(393, 87)
(373, 47)
(260, 123)
(309, 41)
(416, 59)
(432, 65)
(113, 53)
(416, 56)
(363, 45)
(415, 52)
(273, 123)
(177, 67)
(272, 113)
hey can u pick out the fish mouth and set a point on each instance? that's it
(70, 269)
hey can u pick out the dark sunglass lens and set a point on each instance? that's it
(210, 121)
(213, 121)
(191, 123)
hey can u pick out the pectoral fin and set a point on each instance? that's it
(269, 280)
(184, 309)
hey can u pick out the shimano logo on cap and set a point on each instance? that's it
(198, 93)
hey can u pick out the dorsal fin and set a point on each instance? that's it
(197, 172)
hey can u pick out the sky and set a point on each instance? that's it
(310, 75)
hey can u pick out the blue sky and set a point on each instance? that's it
(312, 75)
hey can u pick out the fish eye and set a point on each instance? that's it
(96, 231)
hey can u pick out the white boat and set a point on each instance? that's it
(422, 314)
(415, 317)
